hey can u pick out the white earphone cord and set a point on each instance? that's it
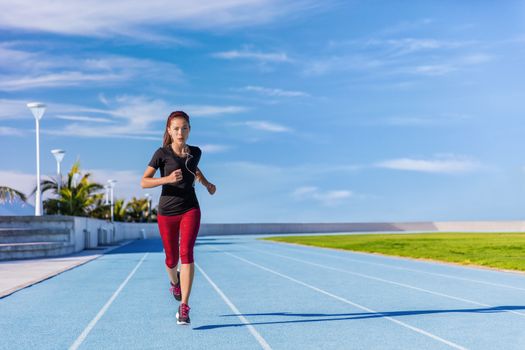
(188, 156)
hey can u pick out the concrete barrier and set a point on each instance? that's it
(90, 233)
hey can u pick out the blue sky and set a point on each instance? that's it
(306, 111)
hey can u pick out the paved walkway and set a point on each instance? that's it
(19, 274)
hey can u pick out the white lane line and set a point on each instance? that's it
(102, 311)
(403, 324)
(386, 281)
(307, 251)
(243, 319)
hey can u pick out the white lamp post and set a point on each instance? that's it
(111, 186)
(59, 155)
(75, 179)
(148, 198)
(38, 110)
(106, 196)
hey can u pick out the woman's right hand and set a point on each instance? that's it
(174, 177)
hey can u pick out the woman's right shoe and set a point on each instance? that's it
(175, 289)
(183, 315)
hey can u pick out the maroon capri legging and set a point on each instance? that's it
(188, 225)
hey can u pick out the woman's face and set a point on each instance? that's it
(179, 131)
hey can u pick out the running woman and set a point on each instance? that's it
(179, 211)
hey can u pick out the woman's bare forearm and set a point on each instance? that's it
(150, 182)
(201, 178)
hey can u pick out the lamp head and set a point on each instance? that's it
(59, 154)
(37, 109)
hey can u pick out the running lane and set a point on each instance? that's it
(253, 294)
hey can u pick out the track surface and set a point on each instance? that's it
(251, 294)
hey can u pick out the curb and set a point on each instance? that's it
(75, 264)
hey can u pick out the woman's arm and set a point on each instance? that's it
(202, 179)
(148, 181)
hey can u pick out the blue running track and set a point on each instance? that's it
(251, 294)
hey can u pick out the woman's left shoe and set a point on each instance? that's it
(175, 289)
(183, 315)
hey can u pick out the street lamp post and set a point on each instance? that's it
(59, 155)
(38, 110)
(148, 198)
(75, 178)
(112, 203)
(106, 195)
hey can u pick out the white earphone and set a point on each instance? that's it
(186, 151)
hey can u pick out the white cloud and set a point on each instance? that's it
(11, 83)
(447, 164)
(301, 192)
(138, 111)
(443, 119)
(258, 56)
(256, 170)
(398, 56)
(17, 110)
(27, 61)
(207, 110)
(80, 130)
(36, 70)
(433, 69)
(405, 46)
(411, 44)
(208, 148)
(343, 63)
(476, 58)
(327, 198)
(133, 116)
(22, 182)
(8, 131)
(414, 121)
(14, 109)
(266, 126)
(102, 98)
(275, 92)
(141, 18)
(399, 46)
(408, 26)
(84, 118)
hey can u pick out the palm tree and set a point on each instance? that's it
(10, 194)
(76, 199)
(153, 217)
(100, 210)
(138, 209)
(120, 210)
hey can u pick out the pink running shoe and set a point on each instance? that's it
(175, 289)
(183, 315)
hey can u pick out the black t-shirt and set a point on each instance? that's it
(178, 198)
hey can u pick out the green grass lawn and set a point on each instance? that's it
(499, 250)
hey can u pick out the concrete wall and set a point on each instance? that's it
(90, 233)
(452, 226)
(481, 226)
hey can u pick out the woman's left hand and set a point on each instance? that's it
(211, 188)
